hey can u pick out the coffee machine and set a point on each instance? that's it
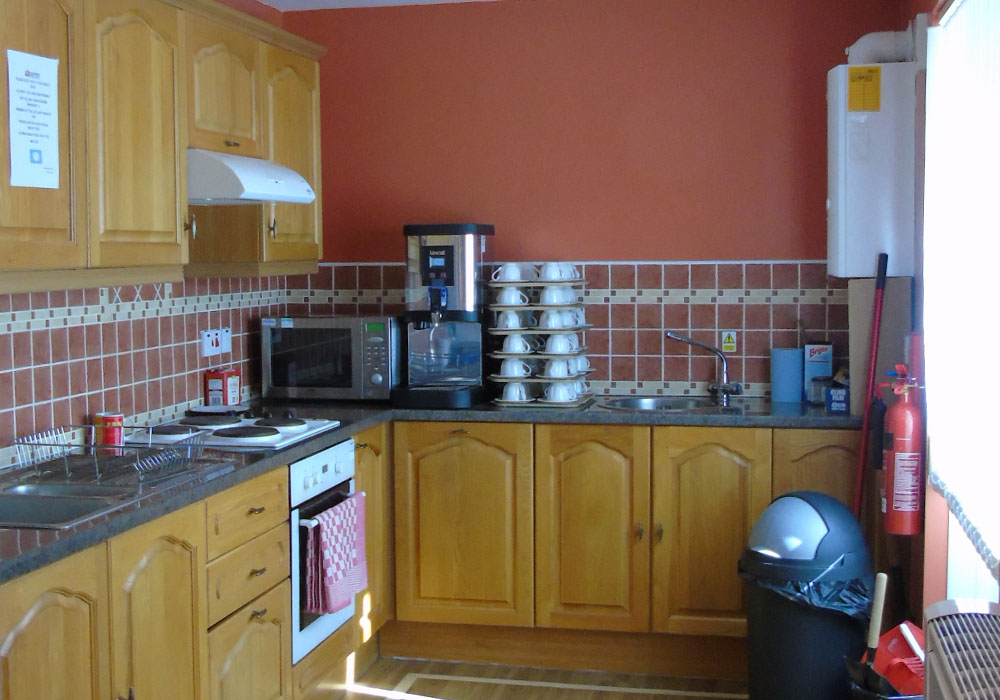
(442, 328)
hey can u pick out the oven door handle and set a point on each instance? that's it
(310, 523)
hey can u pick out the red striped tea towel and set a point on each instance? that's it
(336, 566)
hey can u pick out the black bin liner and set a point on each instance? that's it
(852, 597)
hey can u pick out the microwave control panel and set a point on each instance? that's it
(380, 342)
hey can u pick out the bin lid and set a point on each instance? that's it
(806, 534)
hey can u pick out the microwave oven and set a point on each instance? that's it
(329, 358)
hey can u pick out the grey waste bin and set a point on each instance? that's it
(809, 597)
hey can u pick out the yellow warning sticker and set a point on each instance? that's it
(728, 341)
(864, 88)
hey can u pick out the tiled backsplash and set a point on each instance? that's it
(67, 354)
(629, 305)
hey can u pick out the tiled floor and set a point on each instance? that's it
(419, 680)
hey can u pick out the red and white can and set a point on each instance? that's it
(108, 428)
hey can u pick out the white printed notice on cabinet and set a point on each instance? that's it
(33, 87)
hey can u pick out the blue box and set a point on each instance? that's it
(838, 399)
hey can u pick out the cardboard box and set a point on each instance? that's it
(817, 362)
(222, 387)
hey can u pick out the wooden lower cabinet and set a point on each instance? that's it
(816, 460)
(592, 527)
(373, 475)
(159, 644)
(709, 487)
(250, 652)
(56, 613)
(464, 535)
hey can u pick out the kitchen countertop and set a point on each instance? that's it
(24, 550)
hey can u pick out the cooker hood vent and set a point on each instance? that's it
(222, 178)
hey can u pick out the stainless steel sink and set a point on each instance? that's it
(661, 404)
(71, 490)
(51, 512)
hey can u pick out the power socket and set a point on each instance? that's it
(216, 341)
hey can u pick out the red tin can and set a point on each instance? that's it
(108, 428)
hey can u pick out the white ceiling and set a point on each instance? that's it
(286, 5)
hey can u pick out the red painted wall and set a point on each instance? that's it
(583, 129)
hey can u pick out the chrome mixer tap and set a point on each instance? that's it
(724, 389)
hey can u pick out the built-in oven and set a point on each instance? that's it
(329, 358)
(316, 484)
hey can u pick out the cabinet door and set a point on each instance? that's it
(54, 631)
(138, 134)
(292, 88)
(250, 653)
(464, 523)
(158, 619)
(224, 87)
(592, 525)
(373, 475)
(709, 487)
(46, 228)
(816, 460)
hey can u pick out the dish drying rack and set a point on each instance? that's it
(73, 452)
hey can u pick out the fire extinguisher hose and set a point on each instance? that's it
(859, 483)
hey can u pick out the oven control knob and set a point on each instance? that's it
(377, 378)
(305, 482)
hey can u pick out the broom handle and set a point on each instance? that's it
(859, 483)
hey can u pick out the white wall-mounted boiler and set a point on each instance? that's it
(871, 138)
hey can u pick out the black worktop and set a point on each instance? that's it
(24, 550)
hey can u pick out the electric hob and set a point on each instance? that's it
(234, 432)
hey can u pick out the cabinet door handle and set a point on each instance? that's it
(191, 225)
(640, 531)
(259, 614)
(460, 431)
(256, 510)
(361, 445)
(232, 144)
(131, 695)
(258, 572)
(272, 227)
(659, 532)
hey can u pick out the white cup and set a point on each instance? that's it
(514, 367)
(550, 272)
(558, 369)
(509, 319)
(516, 343)
(558, 344)
(580, 386)
(574, 342)
(551, 318)
(560, 391)
(515, 391)
(568, 271)
(578, 364)
(511, 296)
(570, 318)
(552, 295)
(508, 272)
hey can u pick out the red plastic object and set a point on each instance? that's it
(895, 660)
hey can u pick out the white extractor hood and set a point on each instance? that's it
(222, 178)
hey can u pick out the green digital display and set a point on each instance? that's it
(374, 327)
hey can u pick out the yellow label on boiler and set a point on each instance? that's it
(864, 88)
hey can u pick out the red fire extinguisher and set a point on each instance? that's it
(903, 444)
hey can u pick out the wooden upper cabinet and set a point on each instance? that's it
(592, 527)
(137, 133)
(709, 487)
(224, 88)
(464, 523)
(816, 460)
(54, 631)
(294, 231)
(46, 228)
(373, 475)
(159, 625)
